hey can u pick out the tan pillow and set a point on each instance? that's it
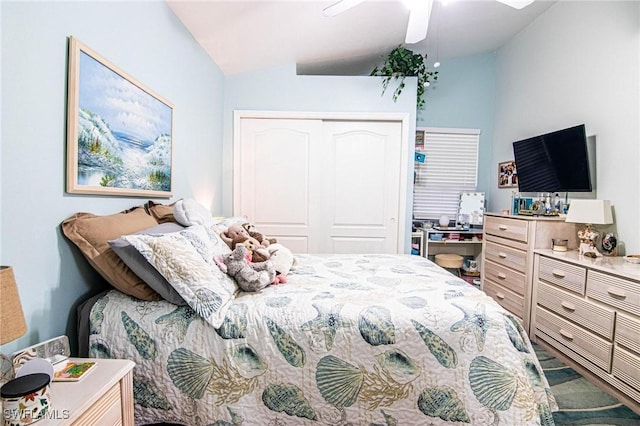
(91, 233)
(161, 212)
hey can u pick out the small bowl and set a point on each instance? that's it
(632, 258)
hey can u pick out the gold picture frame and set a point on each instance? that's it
(507, 174)
(119, 132)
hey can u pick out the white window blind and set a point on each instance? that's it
(450, 167)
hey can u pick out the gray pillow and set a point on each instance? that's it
(143, 269)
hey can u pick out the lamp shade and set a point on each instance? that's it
(12, 323)
(594, 212)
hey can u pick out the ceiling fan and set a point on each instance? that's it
(420, 12)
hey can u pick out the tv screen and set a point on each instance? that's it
(554, 162)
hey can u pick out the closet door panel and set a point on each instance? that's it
(321, 186)
(357, 245)
(276, 176)
(361, 191)
(281, 181)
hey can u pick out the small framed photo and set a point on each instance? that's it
(507, 174)
(420, 139)
(521, 204)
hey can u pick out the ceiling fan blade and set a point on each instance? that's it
(340, 6)
(517, 4)
(418, 21)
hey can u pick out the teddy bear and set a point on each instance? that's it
(256, 250)
(251, 230)
(250, 276)
(233, 231)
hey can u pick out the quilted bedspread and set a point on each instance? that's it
(348, 340)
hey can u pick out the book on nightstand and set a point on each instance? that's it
(73, 371)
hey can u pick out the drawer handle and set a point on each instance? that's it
(568, 306)
(566, 334)
(502, 276)
(502, 255)
(558, 273)
(500, 295)
(616, 292)
(502, 227)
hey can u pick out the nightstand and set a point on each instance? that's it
(103, 397)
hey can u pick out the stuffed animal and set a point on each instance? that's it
(233, 232)
(257, 251)
(282, 258)
(251, 230)
(249, 276)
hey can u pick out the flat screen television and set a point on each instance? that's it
(554, 162)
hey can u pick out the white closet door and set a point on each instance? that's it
(274, 178)
(320, 186)
(361, 186)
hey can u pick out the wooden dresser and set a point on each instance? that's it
(507, 257)
(587, 312)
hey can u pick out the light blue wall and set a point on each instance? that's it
(463, 98)
(147, 41)
(280, 89)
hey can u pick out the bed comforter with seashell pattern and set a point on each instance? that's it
(348, 340)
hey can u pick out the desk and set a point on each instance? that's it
(469, 244)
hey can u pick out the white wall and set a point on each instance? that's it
(577, 63)
(147, 41)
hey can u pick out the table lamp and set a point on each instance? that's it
(589, 212)
(12, 323)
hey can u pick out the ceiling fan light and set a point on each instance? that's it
(419, 21)
(517, 4)
(340, 6)
(412, 4)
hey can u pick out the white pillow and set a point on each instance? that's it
(185, 260)
(189, 213)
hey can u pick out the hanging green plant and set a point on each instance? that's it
(400, 63)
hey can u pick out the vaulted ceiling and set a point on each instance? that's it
(248, 35)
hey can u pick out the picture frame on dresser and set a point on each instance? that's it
(507, 174)
(119, 132)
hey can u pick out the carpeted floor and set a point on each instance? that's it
(580, 402)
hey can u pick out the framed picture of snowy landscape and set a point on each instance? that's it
(119, 133)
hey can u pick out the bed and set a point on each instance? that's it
(348, 340)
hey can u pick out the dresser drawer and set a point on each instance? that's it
(616, 291)
(576, 309)
(509, 300)
(588, 345)
(506, 277)
(106, 411)
(507, 256)
(628, 332)
(626, 367)
(570, 277)
(513, 229)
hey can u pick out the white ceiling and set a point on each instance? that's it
(248, 35)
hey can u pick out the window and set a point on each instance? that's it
(450, 167)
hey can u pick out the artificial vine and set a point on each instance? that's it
(400, 63)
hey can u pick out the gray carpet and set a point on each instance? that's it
(580, 402)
